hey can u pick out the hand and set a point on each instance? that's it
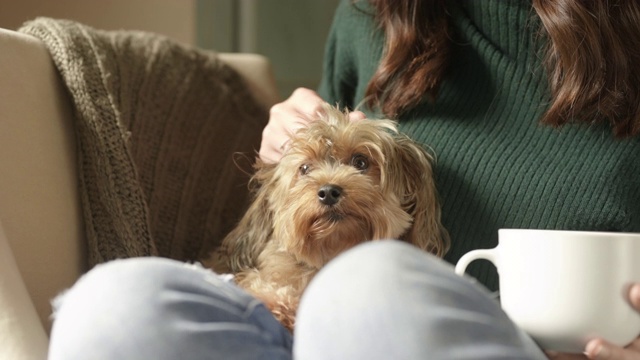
(287, 117)
(600, 349)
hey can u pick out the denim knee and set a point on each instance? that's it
(388, 299)
(153, 308)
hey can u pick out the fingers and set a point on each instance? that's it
(599, 349)
(303, 104)
(553, 355)
(634, 296)
(287, 117)
(356, 116)
(307, 102)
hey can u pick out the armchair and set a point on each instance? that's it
(42, 236)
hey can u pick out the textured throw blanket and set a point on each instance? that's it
(157, 126)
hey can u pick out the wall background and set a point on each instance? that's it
(174, 18)
(291, 33)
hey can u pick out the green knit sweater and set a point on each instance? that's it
(497, 166)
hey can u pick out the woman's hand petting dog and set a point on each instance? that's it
(600, 349)
(287, 117)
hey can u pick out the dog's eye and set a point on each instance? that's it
(304, 169)
(360, 162)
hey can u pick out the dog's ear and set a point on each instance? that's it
(241, 247)
(419, 197)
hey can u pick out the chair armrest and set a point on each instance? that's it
(21, 333)
(42, 230)
(257, 71)
(39, 199)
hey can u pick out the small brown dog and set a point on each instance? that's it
(339, 183)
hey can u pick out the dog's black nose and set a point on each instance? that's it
(329, 194)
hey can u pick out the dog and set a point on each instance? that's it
(338, 184)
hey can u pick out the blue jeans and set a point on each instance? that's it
(380, 300)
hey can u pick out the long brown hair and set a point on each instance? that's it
(592, 59)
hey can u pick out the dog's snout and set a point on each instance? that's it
(329, 194)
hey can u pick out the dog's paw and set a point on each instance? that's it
(285, 316)
(283, 311)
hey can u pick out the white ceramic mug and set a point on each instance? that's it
(565, 288)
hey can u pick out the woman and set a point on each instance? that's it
(531, 117)
(533, 113)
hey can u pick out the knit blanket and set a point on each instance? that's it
(157, 126)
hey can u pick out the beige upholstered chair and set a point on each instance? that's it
(41, 229)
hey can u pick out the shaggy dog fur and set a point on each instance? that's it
(339, 183)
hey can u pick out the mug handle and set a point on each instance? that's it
(473, 255)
